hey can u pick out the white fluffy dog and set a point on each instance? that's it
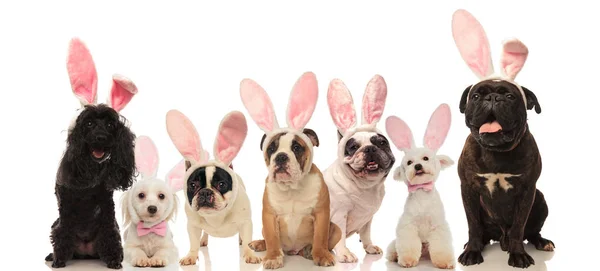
(147, 208)
(422, 228)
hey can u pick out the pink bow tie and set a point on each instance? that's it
(425, 186)
(159, 229)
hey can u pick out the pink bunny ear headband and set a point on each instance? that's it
(341, 107)
(474, 48)
(230, 138)
(301, 106)
(146, 162)
(437, 130)
(84, 80)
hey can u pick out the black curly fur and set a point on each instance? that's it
(86, 227)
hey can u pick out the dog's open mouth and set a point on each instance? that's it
(420, 172)
(490, 126)
(372, 166)
(100, 155)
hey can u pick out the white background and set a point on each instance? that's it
(192, 56)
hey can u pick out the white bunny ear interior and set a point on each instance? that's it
(374, 100)
(258, 104)
(184, 136)
(175, 176)
(399, 133)
(146, 157)
(437, 128)
(303, 101)
(341, 105)
(231, 136)
(514, 54)
(82, 72)
(472, 43)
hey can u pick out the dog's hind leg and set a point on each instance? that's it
(536, 220)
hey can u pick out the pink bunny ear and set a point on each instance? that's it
(146, 157)
(82, 72)
(184, 136)
(258, 104)
(175, 176)
(374, 100)
(121, 92)
(437, 128)
(341, 105)
(399, 133)
(303, 100)
(472, 43)
(514, 54)
(230, 138)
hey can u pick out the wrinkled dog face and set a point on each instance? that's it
(152, 201)
(288, 156)
(368, 156)
(495, 113)
(209, 190)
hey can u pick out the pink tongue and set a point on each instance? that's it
(98, 154)
(490, 127)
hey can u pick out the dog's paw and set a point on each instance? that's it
(258, 245)
(408, 261)
(469, 257)
(114, 265)
(323, 257)
(158, 262)
(58, 264)
(189, 259)
(392, 256)
(520, 259)
(50, 257)
(346, 256)
(373, 249)
(251, 258)
(273, 263)
(542, 244)
(140, 261)
(443, 260)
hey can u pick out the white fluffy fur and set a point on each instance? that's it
(150, 249)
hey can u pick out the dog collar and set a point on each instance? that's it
(158, 229)
(425, 186)
(495, 77)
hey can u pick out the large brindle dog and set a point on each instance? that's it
(500, 162)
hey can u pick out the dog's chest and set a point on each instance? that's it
(152, 243)
(498, 192)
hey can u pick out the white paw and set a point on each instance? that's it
(189, 259)
(442, 260)
(158, 262)
(249, 257)
(373, 249)
(408, 260)
(140, 261)
(346, 256)
(273, 263)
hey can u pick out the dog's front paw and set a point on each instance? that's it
(249, 256)
(443, 260)
(189, 259)
(373, 249)
(323, 257)
(58, 264)
(408, 260)
(258, 245)
(346, 256)
(470, 257)
(114, 265)
(273, 262)
(520, 259)
(140, 261)
(158, 262)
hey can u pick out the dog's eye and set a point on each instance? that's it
(425, 158)
(475, 96)
(271, 148)
(408, 163)
(296, 148)
(161, 196)
(89, 124)
(109, 125)
(221, 185)
(354, 147)
(510, 96)
(193, 185)
(383, 143)
(141, 195)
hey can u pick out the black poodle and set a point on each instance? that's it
(99, 159)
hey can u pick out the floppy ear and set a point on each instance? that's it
(399, 133)
(121, 92)
(230, 137)
(303, 101)
(532, 100)
(514, 54)
(374, 100)
(341, 106)
(445, 161)
(258, 104)
(82, 72)
(175, 176)
(125, 202)
(184, 136)
(146, 157)
(173, 215)
(472, 43)
(399, 174)
(463, 99)
(437, 128)
(312, 135)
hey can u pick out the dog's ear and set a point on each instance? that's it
(399, 173)
(445, 161)
(532, 100)
(125, 209)
(339, 135)
(262, 141)
(312, 135)
(463, 99)
(173, 214)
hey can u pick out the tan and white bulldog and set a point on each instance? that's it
(296, 199)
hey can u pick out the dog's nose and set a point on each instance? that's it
(418, 167)
(369, 149)
(206, 196)
(281, 158)
(101, 138)
(152, 209)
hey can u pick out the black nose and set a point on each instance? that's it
(494, 97)
(206, 197)
(152, 209)
(100, 138)
(281, 158)
(370, 149)
(418, 167)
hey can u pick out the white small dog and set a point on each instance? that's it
(147, 208)
(422, 227)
